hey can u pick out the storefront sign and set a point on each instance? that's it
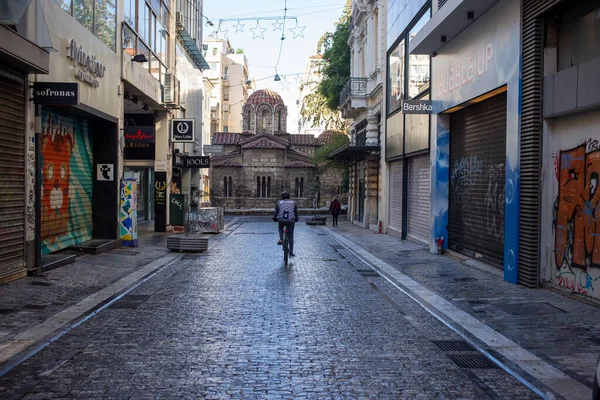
(196, 162)
(139, 134)
(90, 69)
(213, 148)
(417, 106)
(160, 201)
(182, 130)
(105, 172)
(56, 93)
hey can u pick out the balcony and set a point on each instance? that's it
(353, 98)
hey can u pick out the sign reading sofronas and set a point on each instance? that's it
(56, 93)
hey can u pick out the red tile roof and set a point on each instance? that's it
(225, 138)
(303, 139)
(299, 164)
(329, 135)
(263, 143)
(264, 96)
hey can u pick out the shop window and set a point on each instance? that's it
(396, 76)
(578, 34)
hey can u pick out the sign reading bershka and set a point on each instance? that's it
(417, 106)
(182, 130)
(56, 93)
(196, 162)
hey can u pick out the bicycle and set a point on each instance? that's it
(286, 246)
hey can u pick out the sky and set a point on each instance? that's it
(317, 16)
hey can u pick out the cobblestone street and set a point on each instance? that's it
(235, 323)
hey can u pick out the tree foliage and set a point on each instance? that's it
(317, 112)
(336, 60)
(320, 154)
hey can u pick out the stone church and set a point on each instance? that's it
(262, 161)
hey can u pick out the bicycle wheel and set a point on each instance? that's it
(286, 248)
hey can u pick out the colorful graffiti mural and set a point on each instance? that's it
(66, 182)
(128, 213)
(577, 217)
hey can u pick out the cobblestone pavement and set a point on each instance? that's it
(235, 323)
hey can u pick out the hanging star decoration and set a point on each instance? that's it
(239, 27)
(277, 25)
(221, 30)
(258, 32)
(285, 85)
(298, 31)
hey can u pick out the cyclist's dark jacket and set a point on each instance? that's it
(286, 210)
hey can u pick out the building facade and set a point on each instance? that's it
(263, 160)
(229, 75)
(24, 54)
(407, 135)
(363, 101)
(565, 123)
(310, 81)
(475, 129)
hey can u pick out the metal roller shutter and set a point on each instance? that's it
(531, 140)
(477, 180)
(418, 198)
(67, 181)
(12, 172)
(396, 171)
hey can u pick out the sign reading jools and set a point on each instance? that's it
(417, 107)
(196, 162)
(56, 93)
(182, 130)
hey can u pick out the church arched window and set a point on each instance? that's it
(279, 120)
(248, 127)
(264, 120)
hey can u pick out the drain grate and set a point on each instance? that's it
(38, 283)
(472, 361)
(367, 272)
(4, 311)
(467, 279)
(129, 301)
(454, 345)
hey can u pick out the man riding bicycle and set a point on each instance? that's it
(286, 213)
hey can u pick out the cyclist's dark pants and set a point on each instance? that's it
(290, 225)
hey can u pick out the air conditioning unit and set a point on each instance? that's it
(171, 95)
(179, 20)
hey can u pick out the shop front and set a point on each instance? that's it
(78, 108)
(475, 134)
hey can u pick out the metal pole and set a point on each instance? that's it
(38, 189)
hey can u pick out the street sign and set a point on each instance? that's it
(417, 106)
(182, 130)
(212, 148)
(196, 162)
(56, 93)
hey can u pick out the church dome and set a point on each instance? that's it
(329, 135)
(265, 96)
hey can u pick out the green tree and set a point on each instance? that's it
(320, 154)
(336, 60)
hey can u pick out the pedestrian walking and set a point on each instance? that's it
(335, 208)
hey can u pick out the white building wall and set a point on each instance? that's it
(570, 226)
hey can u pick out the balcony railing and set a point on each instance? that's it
(355, 87)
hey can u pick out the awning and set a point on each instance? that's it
(348, 152)
(189, 44)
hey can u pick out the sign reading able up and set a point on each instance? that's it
(182, 130)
